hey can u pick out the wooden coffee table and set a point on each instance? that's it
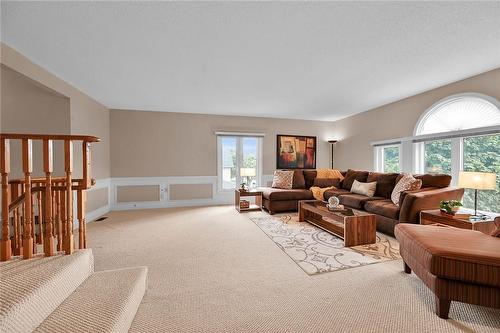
(355, 227)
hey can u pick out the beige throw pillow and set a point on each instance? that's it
(283, 179)
(367, 189)
(406, 183)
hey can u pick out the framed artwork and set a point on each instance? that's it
(295, 152)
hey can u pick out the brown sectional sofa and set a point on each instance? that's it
(434, 189)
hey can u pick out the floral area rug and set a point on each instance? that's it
(317, 251)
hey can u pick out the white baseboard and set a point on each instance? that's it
(163, 183)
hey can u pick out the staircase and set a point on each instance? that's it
(63, 294)
(46, 283)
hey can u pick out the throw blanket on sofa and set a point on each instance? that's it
(318, 192)
(329, 173)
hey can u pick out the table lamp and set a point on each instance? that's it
(477, 181)
(247, 172)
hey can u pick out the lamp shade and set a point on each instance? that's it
(247, 172)
(477, 180)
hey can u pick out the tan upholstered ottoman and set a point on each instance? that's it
(456, 264)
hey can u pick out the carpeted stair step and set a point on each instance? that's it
(31, 289)
(106, 302)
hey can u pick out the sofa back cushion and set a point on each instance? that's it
(385, 183)
(353, 175)
(299, 182)
(309, 176)
(327, 182)
(283, 179)
(434, 180)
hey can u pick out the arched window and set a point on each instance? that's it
(464, 148)
(459, 112)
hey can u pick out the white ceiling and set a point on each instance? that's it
(305, 60)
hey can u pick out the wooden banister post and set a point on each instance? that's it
(28, 169)
(61, 221)
(82, 228)
(87, 181)
(5, 247)
(17, 244)
(48, 165)
(68, 166)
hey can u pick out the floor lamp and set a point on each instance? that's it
(332, 142)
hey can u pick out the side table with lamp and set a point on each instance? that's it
(479, 222)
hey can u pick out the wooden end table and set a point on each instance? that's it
(355, 228)
(258, 200)
(435, 217)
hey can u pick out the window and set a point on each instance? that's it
(459, 112)
(387, 158)
(238, 161)
(482, 153)
(437, 156)
(461, 133)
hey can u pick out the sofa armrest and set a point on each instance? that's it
(415, 202)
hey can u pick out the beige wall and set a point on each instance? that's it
(86, 115)
(29, 107)
(34, 100)
(178, 144)
(397, 120)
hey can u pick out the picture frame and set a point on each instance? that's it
(295, 152)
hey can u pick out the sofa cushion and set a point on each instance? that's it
(385, 183)
(452, 253)
(298, 179)
(354, 200)
(434, 180)
(282, 194)
(353, 175)
(383, 207)
(336, 192)
(309, 176)
(327, 182)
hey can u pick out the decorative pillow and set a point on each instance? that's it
(283, 179)
(367, 189)
(353, 175)
(406, 183)
(329, 173)
(327, 182)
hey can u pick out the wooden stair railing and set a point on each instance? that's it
(40, 210)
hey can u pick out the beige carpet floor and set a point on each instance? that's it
(213, 270)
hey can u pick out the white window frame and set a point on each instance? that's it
(412, 152)
(379, 156)
(239, 158)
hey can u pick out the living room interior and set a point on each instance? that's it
(250, 166)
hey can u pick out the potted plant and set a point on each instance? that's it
(450, 206)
